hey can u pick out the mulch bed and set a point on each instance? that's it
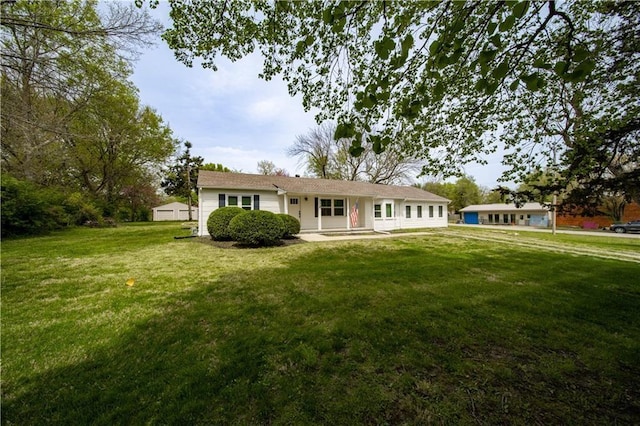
(236, 245)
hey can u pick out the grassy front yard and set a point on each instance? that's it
(438, 328)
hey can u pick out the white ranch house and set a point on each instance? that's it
(322, 204)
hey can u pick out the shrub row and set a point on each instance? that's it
(28, 209)
(251, 227)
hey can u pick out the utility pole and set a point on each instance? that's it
(189, 187)
(555, 196)
(187, 157)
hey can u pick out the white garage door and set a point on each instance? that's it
(164, 215)
(184, 214)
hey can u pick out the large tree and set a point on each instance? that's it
(328, 158)
(462, 193)
(57, 57)
(181, 177)
(266, 167)
(70, 118)
(449, 82)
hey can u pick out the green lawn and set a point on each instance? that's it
(409, 330)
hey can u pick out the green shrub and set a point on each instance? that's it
(291, 225)
(81, 211)
(218, 222)
(257, 228)
(28, 209)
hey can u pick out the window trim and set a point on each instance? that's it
(336, 208)
(328, 207)
(240, 201)
(248, 206)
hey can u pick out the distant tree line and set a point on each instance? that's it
(462, 193)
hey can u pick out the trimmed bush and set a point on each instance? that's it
(218, 222)
(257, 228)
(291, 225)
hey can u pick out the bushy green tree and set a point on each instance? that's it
(30, 210)
(464, 192)
(181, 177)
(70, 117)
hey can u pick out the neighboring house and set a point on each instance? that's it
(322, 204)
(529, 214)
(174, 211)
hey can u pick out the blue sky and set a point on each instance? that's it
(231, 116)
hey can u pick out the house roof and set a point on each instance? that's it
(312, 186)
(503, 207)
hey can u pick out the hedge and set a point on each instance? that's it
(291, 225)
(218, 222)
(257, 228)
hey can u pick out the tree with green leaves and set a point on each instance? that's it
(182, 176)
(57, 57)
(464, 192)
(449, 82)
(70, 117)
(215, 167)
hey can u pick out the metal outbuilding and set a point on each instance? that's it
(529, 214)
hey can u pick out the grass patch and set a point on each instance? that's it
(588, 241)
(432, 329)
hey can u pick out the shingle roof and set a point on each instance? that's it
(311, 186)
(503, 207)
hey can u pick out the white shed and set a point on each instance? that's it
(174, 211)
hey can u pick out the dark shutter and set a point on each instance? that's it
(256, 202)
(221, 200)
(315, 211)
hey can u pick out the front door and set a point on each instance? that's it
(294, 208)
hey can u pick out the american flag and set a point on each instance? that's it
(354, 215)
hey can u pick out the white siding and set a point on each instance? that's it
(425, 221)
(305, 211)
(161, 215)
(385, 222)
(399, 219)
(174, 211)
(208, 202)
